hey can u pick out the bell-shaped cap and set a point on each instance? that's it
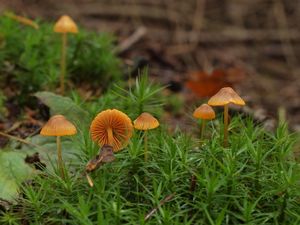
(58, 125)
(204, 112)
(65, 24)
(111, 127)
(145, 121)
(225, 96)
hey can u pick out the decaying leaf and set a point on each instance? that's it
(105, 155)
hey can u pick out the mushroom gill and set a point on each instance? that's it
(111, 127)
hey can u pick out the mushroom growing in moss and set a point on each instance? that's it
(111, 127)
(145, 122)
(204, 112)
(224, 97)
(64, 25)
(58, 126)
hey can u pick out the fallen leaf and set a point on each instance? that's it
(203, 84)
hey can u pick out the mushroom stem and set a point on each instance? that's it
(202, 129)
(110, 136)
(59, 157)
(225, 141)
(63, 63)
(146, 146)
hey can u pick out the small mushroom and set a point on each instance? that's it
(145, 122)
(204, 112)
(224, 97)
(58, 126)
(64, 25)
(111, 127)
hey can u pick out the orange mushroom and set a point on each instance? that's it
(111, 127)
(224, 97)
(64, 25)
(58, 126)
(145, 122)
(204, 112)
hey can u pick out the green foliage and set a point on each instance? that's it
(30, 58)
(255, 180)
(251, 182)
(3, 110)
(13, 171)
(143, 96)
(93, 59)
(65, 106)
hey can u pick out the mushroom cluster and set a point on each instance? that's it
(113, 128)
(223, 97)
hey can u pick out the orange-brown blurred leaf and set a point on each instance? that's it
(206, 85)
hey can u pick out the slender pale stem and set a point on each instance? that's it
(63, 63)
(59, 157)
(146, 146)
(110, 136)
(225, 141)
(202, 129)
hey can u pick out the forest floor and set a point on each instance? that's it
(256, 48)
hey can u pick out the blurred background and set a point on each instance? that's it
(197, 46)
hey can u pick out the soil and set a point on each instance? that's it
(259, 38)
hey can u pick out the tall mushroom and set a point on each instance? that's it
(111, 127)
(224, 97)
(64, 25)
(58, 126)
(145, 122)
(204, 112)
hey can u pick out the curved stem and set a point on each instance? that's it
(225, 143)
(146, 146)
(59, 157)
(63, 63)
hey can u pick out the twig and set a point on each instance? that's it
(22, 20)
(20, 140)
(239, 35)
(130, 41)
(289, 52)
(166, 199)
(199, 18)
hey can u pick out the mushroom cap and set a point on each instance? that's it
(111, 127)
(204, 112)
(225, 96)
(145, 121)
(65, 24)
(58, 125)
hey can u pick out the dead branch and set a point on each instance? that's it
(131, 40)
(166, 199)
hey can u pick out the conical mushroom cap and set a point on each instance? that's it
(225, 96)
(204, 112)
(58, 125)
(145, 121)
(111, 127)
(65, 24)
